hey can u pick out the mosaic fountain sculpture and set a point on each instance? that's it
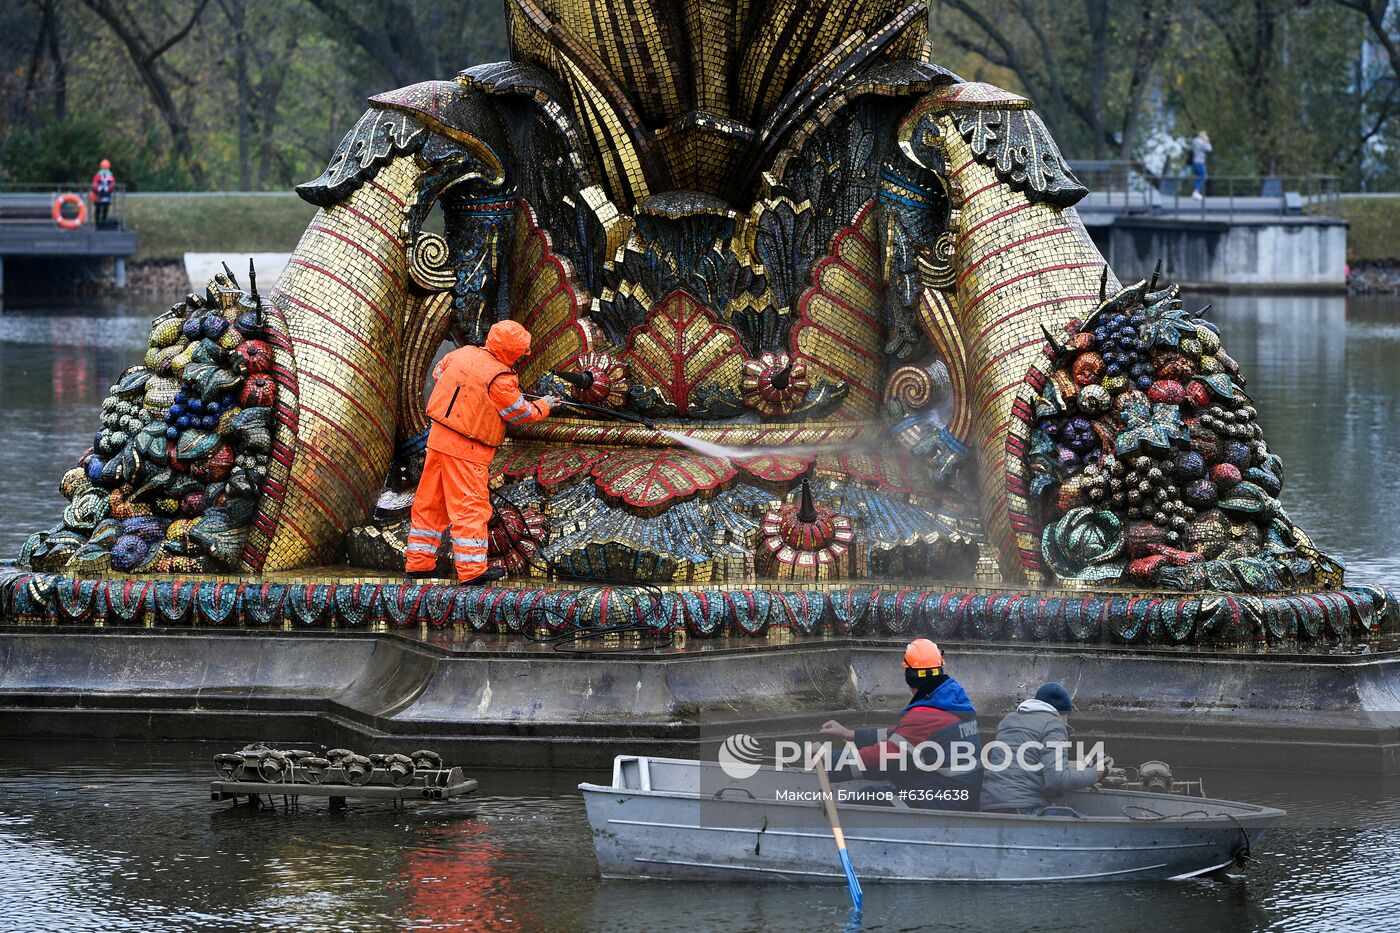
(775, 227)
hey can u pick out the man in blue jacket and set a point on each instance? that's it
(933, 756)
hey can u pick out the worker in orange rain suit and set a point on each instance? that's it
(477, 396)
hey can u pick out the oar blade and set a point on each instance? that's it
(852, 882)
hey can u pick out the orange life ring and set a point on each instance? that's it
(69, 223)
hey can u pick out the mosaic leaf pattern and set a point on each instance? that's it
(561, 464)
(647, 479)
(836, 334)
(548, 303)
(517, 460)
(39, 598)
(871, 468)
(775, 468)
(683, 347)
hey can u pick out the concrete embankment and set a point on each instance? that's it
(1278, 254)
(498, 700)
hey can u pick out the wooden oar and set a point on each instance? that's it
(829, 805)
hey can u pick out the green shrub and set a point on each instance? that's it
(1374, 234)
(170, 225)
(69, 150)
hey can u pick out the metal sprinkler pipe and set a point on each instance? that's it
(619, 415)
(807, 510)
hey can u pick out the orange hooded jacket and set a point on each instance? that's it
(477, 395)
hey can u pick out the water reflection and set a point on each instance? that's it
(56, 363)
(1325, 373)
(122, 837)
(452, 882)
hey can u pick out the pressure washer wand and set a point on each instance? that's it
(594, 409)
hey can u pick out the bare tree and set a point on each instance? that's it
(1153, 23)
(1377, 14)
(49, 42)
(1039, 61)
(126, 24)
(387, 32)
(260, 73)
(1381, 100)
(1250, 31)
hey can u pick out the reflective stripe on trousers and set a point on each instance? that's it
(425, 540)
(455, 492)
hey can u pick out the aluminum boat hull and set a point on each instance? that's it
(687, 820)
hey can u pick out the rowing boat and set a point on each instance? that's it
(681, 819)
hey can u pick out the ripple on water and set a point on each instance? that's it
(123, 838)
(127, 332)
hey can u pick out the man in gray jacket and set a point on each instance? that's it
(1038, 770)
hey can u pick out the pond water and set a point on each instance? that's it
(122, 837)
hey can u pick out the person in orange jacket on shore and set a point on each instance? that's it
(475, 398)
(104, 188)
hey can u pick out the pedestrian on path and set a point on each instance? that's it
(1200, 148)
(104, 188)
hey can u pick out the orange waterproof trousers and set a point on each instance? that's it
(452, 491)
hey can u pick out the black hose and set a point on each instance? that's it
(568, 635)
(1244, 854)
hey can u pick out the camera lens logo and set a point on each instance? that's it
(740, 756)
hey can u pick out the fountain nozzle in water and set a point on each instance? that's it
(577, 380)
(807, 510)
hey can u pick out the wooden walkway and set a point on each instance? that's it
(27, 230)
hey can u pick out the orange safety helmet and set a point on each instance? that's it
(104, 164)
(923, 655)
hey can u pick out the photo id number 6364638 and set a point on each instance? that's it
(925, 794)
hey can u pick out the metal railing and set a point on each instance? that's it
(1126, 187)
(32, 203)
